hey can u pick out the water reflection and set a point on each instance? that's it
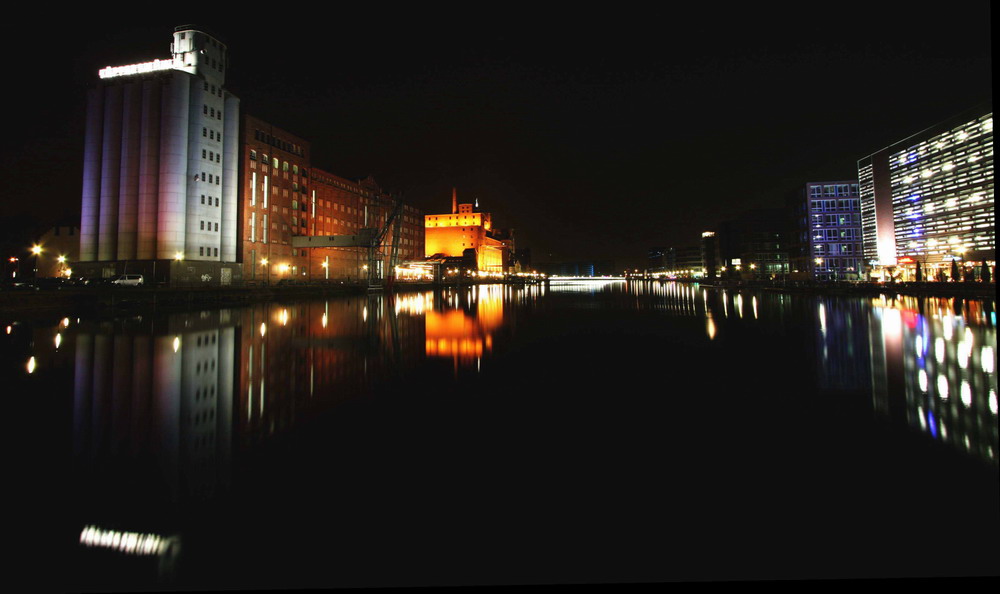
(464, 331)
(165, 409)
(944, 352)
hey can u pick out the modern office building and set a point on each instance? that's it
(676, 262)
(928, 199)
(161, 166)
(826, 243)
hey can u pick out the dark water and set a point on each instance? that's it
(586, 433)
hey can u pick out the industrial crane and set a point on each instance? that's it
(370, 237)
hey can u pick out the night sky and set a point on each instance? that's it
(594, 134)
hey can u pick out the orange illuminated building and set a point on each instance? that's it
(465, 228)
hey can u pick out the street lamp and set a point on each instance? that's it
(36, 250)
(267, 271)
(16, 266)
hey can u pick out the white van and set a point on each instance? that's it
(128, 280)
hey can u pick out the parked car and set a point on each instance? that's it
(128, 280)
(47, 283)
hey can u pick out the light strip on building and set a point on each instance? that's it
(133, 69)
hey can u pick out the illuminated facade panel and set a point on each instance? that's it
(930, 198)
(942, 193)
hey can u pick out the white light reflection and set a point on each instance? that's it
(939, 349)
(132, 543)
(58, 340)
(892, 324)
(922, 380)
(942, 386)
(966, 393)
(963, 354)
(31, 365)
(986, 358)
(177, 343)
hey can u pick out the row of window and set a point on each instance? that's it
(275, 163)
(848, 249)
(212, 112)
(288, 147)
(209, 223)
(837, 219)
(834, 190)
(848, 233)
(211, 134)
(214, 91)
(851, 204)
(209, 200)
(210, 178)
(211, 156)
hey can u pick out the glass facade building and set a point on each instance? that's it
(829, 221)
(929, 198)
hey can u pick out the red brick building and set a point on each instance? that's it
(284, 195)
